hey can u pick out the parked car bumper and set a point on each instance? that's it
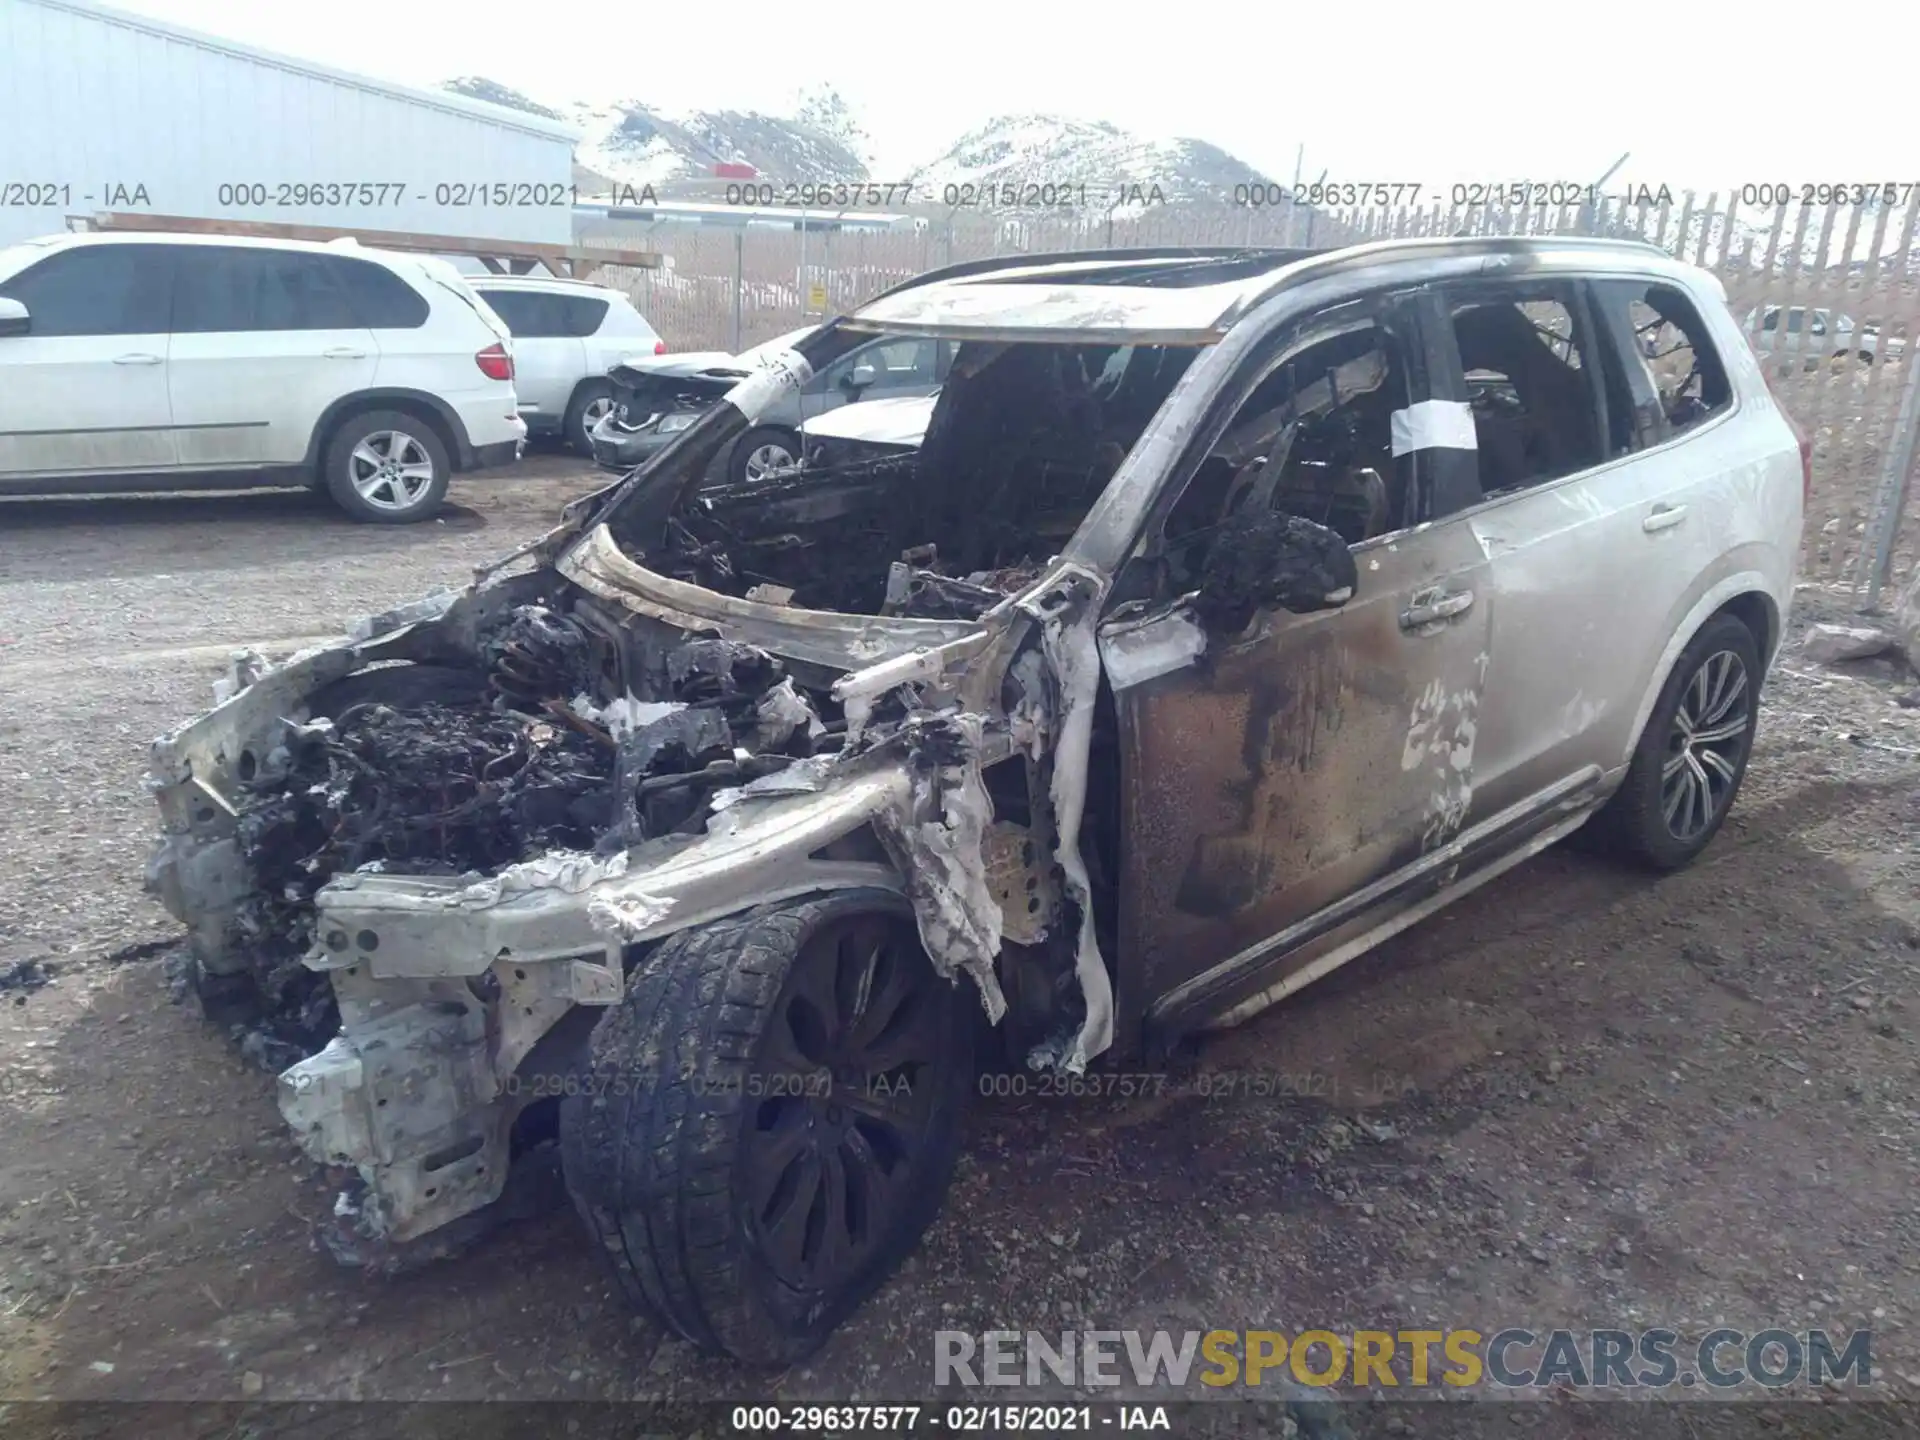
(619, 447)
(504, 453)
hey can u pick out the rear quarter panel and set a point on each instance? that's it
(1748, 497)
(438, 357)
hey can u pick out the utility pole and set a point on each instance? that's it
(1588, 206)
(1293, 195)
(1321, 186)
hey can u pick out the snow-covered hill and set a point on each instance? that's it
(1032, 159)
(637, 145)
(633, 144)
(478, 87)
(1115, 168)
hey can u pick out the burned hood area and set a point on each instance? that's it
(1022, 441)
(444, 769)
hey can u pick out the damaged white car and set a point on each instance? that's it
(1235, 610)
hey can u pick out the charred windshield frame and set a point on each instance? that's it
(1023, 441)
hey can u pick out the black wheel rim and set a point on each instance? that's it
(1706, 745)
(841, 1101)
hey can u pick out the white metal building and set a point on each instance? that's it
(105, 111)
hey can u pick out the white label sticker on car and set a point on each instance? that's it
(1434, 425)
(779, 375)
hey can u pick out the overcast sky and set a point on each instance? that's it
(1397, 90)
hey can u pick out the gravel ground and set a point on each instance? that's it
(1579, 1097)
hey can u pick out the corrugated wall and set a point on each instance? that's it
(96, 107)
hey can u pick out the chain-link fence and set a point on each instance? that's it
(1829, 294)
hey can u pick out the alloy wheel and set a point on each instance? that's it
(592, 413)
(1706, 745)
(768, 460)
(841, 1102)
(390, 469)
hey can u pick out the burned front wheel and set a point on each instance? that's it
(772, 1120)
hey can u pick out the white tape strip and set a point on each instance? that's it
(1434, 425)
(778, 376)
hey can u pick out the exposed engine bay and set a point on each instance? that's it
(446, 770)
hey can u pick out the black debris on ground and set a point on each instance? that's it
(28, 974)
(141, 950)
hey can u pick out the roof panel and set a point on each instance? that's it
(972, 309)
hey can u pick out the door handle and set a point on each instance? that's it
(137, 358)
(1432, 605)
(1663, 517)
(344, 352)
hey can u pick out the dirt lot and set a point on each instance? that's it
(1580, 1098)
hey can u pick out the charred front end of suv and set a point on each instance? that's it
(423, 861)
(420, 864)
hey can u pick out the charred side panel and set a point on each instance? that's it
(1253, 781)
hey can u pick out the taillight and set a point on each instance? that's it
(1801, 438)
(659, 347)
(494, 362)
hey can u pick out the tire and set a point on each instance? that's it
(752, 452)
(694, 1152)
(1718, 674)
(411, 491)
(591, 400)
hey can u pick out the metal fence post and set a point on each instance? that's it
(739, 265)
(1890, 507)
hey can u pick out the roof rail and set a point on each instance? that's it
(1067, 257)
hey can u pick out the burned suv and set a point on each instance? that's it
(1235, 611)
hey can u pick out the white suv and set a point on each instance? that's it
(162, 361)
(567, 335)
(1817, 334)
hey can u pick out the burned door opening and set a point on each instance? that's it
(1252, 792)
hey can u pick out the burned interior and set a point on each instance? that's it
(1023, 439)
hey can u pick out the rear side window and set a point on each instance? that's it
(1525, 353)
(381, 299)
(1663, 357)
(96, 290)
(584, 314)
(219, 289)
(531, 315)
